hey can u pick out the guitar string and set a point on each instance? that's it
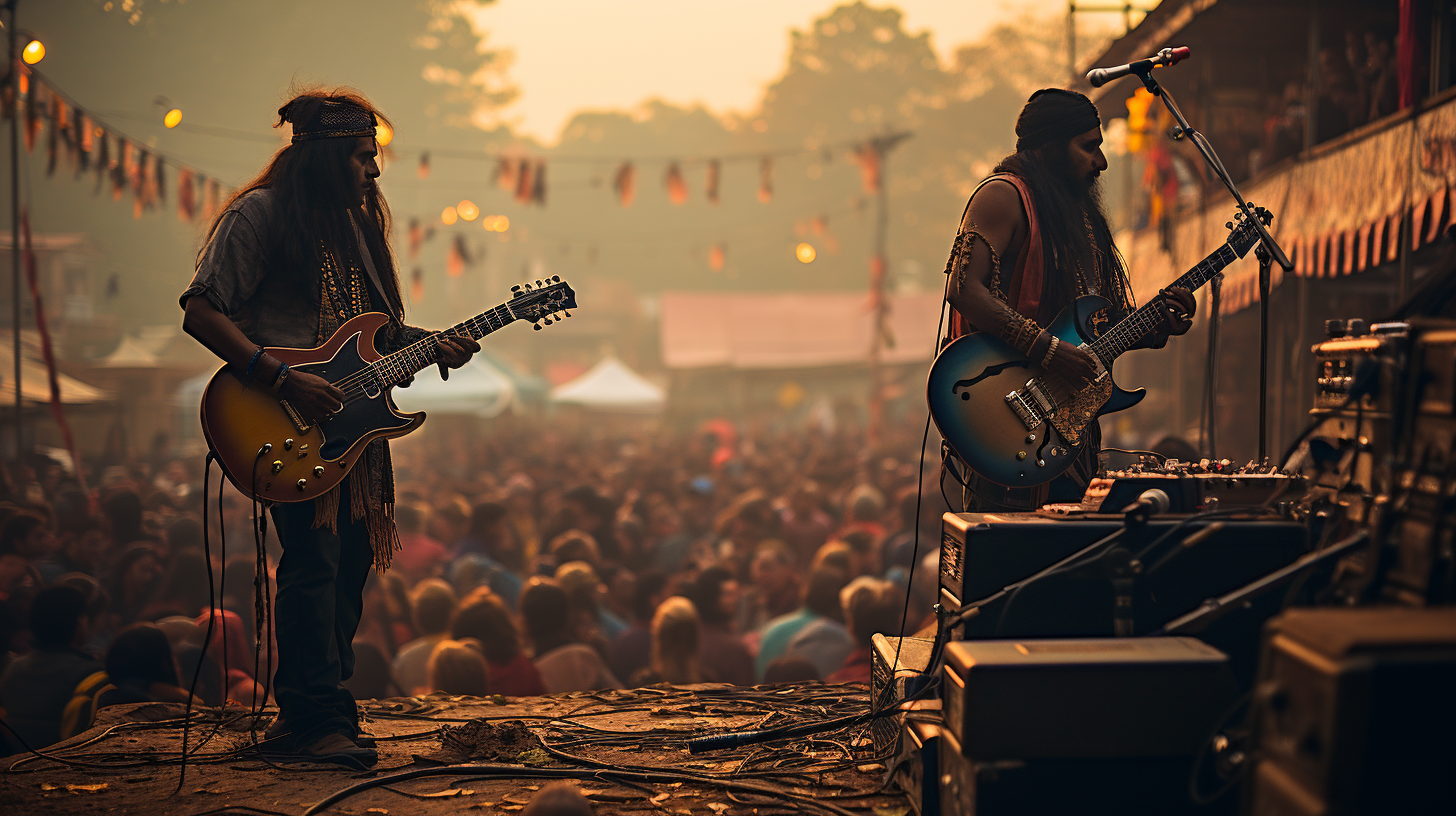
(355, 385)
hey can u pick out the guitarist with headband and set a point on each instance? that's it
(298, 251)
(1034, 238)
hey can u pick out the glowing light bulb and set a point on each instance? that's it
(383, 134)
(173, 118)
(33, 52)
(467, 210)
(805, 253)
(449, 216)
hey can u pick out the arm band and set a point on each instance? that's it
(248, 375)
(1051, 352)
(282, 375)
(1021, 334)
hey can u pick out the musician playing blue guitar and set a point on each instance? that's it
(1033, 239)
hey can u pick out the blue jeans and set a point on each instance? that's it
(320, 599)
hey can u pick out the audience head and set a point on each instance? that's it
(790, 669)
(184, 533)
(871, 606)
(715, 594)
(772, 568)
(865, 503)
(123, 510)
(651, 590)
(821, 593)
(409, 518)
(28, 535)
(575, 545)
(139, 656)
(546, 611)
(483, 617)
(433, 602)
(456, 668)
(675, 641)
(58, 617)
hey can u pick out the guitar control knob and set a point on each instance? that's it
(1041, 463)
(288, 444)
(1031, 437)
(277, 465)
(302, 485)
(318, 471)
(1020, 455)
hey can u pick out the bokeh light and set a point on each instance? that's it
(449, 216)
(383, 134)
(173, 118)
(805, 253)
(467, 210)
(496, 223)
(33, 52)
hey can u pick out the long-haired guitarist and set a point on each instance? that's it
(298, 251)
(1033, 239)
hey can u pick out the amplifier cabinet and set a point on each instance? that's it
(908, 678)
(1124, 697)
(1355, 713)
(918, 770)
(981, 553)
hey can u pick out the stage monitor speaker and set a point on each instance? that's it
(1354, 713)
(981, 553)
(908, 678)
(917, 769)
(1124, 697)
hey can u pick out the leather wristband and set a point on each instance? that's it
(1051, 352)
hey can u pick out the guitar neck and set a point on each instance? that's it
(392, 369)
(1145, 319)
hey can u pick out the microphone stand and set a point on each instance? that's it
(1267, 243)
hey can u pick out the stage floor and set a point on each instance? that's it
(626, 749)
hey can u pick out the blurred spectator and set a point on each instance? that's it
(574, 545)
(20, 536)
(1381, 76)
(1339, 99)
(725, 658)
(184, 590)
(484, 619)
(456, 668)
(81, 546)
(820, 602)
(805, 525)
(871, 606)
(434, 604)
(184, 534)
(419, 556)
(386, 620)
(372, 679)
(122, 509)
(866, 507)
(558, 799)
(36, 687)
(449, 521)
(790, 670)
(490, 552)
(564, 664)
(631, 652)
(675, 646)
(773, 586)
(134, 581)
(141, 669)
(585, 590)
(826, 641)
(899, 548)
(595, 514)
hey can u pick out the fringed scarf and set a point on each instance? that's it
(345, 295)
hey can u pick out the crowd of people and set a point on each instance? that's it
(532, 561)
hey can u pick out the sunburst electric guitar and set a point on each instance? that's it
(272, 453)
(1018, 425)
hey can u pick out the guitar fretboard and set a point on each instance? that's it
(392, 369)
(1145, 319)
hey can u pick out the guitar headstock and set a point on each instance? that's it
(542, 302)
(1244, 235)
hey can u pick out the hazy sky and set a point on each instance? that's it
(720, 53)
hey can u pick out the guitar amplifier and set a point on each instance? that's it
(1058, 699)
(1354, 713)
(917, 771)
(908, 678)
(981, 553)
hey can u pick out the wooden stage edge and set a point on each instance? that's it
(627, 751)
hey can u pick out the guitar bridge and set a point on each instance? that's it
(295, 416)
(1024, 410)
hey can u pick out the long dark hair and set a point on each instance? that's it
(1060, 207)
(312, 190)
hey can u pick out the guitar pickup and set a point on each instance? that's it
(296, 417)
(1024, 410)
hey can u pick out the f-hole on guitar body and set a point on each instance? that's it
(303, 461)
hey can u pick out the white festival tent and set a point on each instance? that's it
(611, 386)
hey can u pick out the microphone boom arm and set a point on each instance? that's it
(1144, 72)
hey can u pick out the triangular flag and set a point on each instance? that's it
(424, 169)
(625, 183)
(538, 185)
(505, 174)
(711, 188)
(524, 179)
(186, 194)
(765, 179)
(677, 187)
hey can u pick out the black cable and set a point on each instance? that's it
(211, 619)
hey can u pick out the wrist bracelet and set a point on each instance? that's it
(248, 375)
(282, 375)
(1051, 352)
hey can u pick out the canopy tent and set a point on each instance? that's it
(478, 388)
(35, 382)
(610, 386)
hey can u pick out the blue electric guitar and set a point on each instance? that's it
(1017, 424)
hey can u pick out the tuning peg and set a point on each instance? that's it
(540, 282)
(568, 314)
(556, 279)
(547, 321)
(515, 291)
(1239, 216)
(536, 326)
(1228, 224)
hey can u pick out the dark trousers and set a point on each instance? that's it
(320, 599)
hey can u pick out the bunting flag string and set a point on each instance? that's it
(88, 144)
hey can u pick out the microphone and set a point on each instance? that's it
(1152, 502)
(1097, 77)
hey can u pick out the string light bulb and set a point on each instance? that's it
(33, 52)
(805, 253)
(383, 134)
(496, 223)
(173, 118)
(467, 210)
(449, 216)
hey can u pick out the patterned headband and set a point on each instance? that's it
(335, 120)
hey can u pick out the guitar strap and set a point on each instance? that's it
(367, 257)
